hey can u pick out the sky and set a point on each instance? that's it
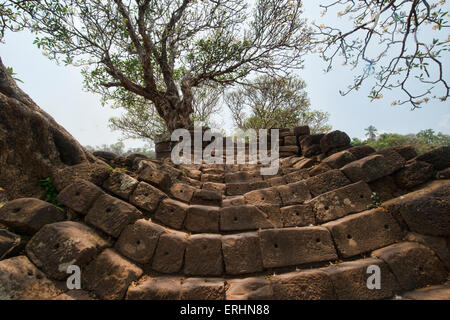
(59, 91)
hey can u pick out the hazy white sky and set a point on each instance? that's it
(59, 91)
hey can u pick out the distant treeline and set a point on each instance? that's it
(119, 149)
(423, 141)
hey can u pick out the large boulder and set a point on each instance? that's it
(439, 158)
(413, 174)
(369, 169)
(425, 211)
(414, 265)
(334, 140)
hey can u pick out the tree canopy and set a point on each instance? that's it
(161, 50)
(274, 102)
(399, 44)
(422, 141)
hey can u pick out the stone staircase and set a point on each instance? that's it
(225, 232)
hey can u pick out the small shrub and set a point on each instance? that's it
(50, 192)
(376, 201)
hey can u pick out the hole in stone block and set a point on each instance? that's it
(349, 236)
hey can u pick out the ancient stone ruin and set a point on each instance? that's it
(145, 229)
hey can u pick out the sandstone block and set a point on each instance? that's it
(154, 176)
(414, 174)
(207, 198)
(291, 141)
(79, 196)
(243, 176)
(368, 169)
(296, 176)
(425, 211)
(296, 246)
(441, 246)
(182, 192)
(58, 245)
(407, 152)
(172, 213)
(203, 289)
(350, 280)
(333, 140)
(340, 159)
(241, 253)
(147, 197)
(28, 215)
(268, 196)
(202, 219)
(414, 265)
(169, 254)
(327, 181)
(21, 280)
(214, 186)
(112, 215)
(298, 216)
(364, 232)
(439, 158)
(218, 178)
(294, 193)
(305, 285)
(341, 202)
(120, 184)
(204, 255)
(360, 152)
(110, 275)
(243, 217)
(249, 289)
(138, 241)
(160, 288)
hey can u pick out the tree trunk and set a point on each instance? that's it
(33, 146)
(178, 119)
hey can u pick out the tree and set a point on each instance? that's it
(423, 141)
(402, 44)
(142, 121)
(274, 102)
(371, 132)
(161, 50)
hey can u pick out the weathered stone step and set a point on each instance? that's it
(402, 267)
(343, 281)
